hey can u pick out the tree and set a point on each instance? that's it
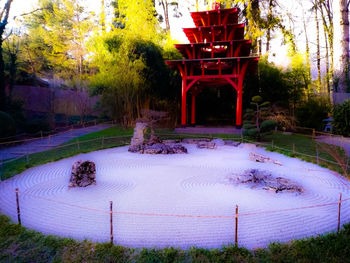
(4, 15)
(257, 121)
(341, 45)
(165, 7)
(58, 34)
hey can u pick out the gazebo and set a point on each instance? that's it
(217, 55)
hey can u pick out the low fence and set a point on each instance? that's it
(66, 150)
(27, 137)
(236, 216)
(105, 142)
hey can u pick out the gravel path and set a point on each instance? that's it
(177, 200)
(47, 143)
(337, 140)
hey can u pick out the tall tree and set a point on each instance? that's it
(4, 15)
(60, 31)
(341, 45)
(315, 8)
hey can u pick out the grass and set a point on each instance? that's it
(111, 137)
(18, 244)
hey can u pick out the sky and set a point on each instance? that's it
(280, 58)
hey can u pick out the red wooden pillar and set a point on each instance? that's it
(239, 107)
(193, 110)
(183, 101)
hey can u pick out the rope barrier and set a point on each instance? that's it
(184, 215)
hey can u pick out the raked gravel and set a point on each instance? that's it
(180, 200)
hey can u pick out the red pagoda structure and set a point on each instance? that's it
(217, 55)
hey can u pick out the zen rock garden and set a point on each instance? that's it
(154, 145)
(83, 174)
(258, 179)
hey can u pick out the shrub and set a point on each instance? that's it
(341, 116)
(311, 112)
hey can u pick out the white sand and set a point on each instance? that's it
(191, 184)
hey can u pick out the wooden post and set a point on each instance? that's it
(236, 226)
(111, 219)
(313, 133)
(27, 158)
(339, 208)
(272, 144)
(18, 209)
(293, 148)
(78, 145)
(318, 161)
(102, 142)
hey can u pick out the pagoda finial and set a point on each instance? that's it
(216, 5)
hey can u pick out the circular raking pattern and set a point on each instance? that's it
(180, 200)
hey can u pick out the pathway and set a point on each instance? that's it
(40, 145)
(336, 140)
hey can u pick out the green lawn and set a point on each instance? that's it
(18, 244)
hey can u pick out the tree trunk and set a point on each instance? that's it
(3, 17)
(166, 14)
(326, 30)
(341, 45)
(307, 48)
(318, 50)
(268, 33)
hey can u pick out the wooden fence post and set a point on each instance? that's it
(272, 144)
(78, 145)
(318, 161)
(103, 141)
(339, 208)
(111, 219)
(293, 148)
(18, 209)
(236, 226)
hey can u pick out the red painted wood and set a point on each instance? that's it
(217, 56)
(193, 110)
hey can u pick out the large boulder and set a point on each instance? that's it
(256, 157)
(83, 174)
(139, 130)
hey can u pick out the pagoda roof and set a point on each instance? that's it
(173, 63)
(192, 33)
(245, 49)
(215, 17)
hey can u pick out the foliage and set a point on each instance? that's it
(257, 122)
(341, 116)
(56, 40)
(18, 244)
(282, 117)
(313, 111)
(7, 125)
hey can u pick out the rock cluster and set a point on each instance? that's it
(255, 157)
(154, 144)
(264, 180)
(83, 174)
